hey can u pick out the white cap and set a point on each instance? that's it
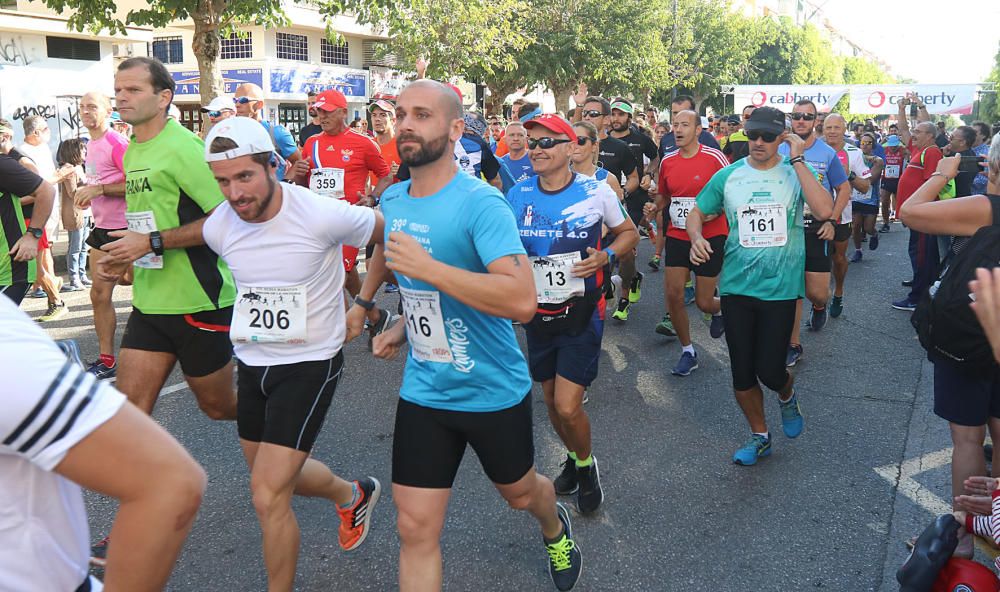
(248, 134)
(219, 103)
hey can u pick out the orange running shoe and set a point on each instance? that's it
(356, 520)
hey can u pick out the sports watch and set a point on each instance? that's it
(156, 242)
(35, 232)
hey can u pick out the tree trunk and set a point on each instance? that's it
(562, 98)
(206, 47)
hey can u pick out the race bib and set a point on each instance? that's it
(680, 207)
(144, 223)
(554, 281)
(425, 325)
(270, 315)
(328, 182)
(763, 225)
(891, 171)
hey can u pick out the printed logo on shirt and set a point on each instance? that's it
(137, 185)
(528, 215)
(458, 339)
(346, 154)
(398, 224)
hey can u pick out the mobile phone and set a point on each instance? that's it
(972, 164)
(913, 109)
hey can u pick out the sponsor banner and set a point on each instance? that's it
(295, 82)
(784, 96)
(940, 98)
(387, 83)
(189, 82)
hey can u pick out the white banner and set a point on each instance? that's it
(784, 96)
(940, 98)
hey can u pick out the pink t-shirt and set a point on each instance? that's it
(104, 166)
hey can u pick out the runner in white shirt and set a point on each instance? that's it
(60, 429)
(283, 244)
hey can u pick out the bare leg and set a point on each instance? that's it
(966, 460)
(215, 393)
(704, 294)
(535, 494)
(858, 231)
(101, 298)
(420, 518)
(566, 413)
(675, 278)
(141, 375)
(839, 266)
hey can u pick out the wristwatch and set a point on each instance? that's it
(852, 176)
(156, 243)
(611, 255)
(365, 304)
(35, 232)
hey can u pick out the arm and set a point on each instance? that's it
(816, 196)
(616, 186)
(962, 216)
(860, 185)
(87, 193)
(903, 124)
(877, 168)
(26, 247)
(632, 181)
(132, 245)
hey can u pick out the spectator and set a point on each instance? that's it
(982, 148)
(75, 221)
(313, 127)
(941, 140)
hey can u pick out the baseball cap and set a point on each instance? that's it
(623, 106)
(893, 141)
(765, 119)
(219, 103)
(554, 124)
(383, 105)
(330, 100)
(248, 134)
(458, 92)
(734, 120)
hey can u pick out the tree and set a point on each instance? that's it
(989, 108)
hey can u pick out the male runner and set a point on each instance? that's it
(288, 330)
(249, 100)
(517, 160)
(895, 160)
(312, 128)
(669, 142)
(762, 197)
(383, 119)
(683, 174)
(453, 244)
(560, 216)
(104, 193)
(859, 178)
(646, 159)
(865, 205)
(830, 173)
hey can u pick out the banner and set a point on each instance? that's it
(189, 82)
(784, 96)
(294, 82)
(882, 99)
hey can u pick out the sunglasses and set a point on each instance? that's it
(768, 137)
(593, 113)
(801, 116)
(545, 143)
(215, 114)
(244, 100)
(582, 140)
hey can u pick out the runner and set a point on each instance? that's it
(453, 243)
(288, 330)
(249, 102)
(865, 206)
(59, 427)
(104, 193)
(818, 232)
(859, 178)
(586, 151)
(762, 197)
(517, 160)
(560, 216)
(383, 119)
(683, 174)
(644, 150)
(895, 160)
(219, 108)
(312, 128)
(668, 142)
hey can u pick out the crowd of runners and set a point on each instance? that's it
(487, 227)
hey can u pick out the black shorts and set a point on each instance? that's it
(864, 209)
(757, 333)
(574, 357)
(819, 254)
(890, 185)
(99, 237)
(841, 232)
(634, 204)
(429, 444)
(677, 253)
(965, 398)
(285, 404)
(15, 292)
(200, 340)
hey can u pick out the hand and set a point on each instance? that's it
(701, 250)
(595, 260)
(355, 322)
(980, 485)
(949, 166)
(645, 182)
(394, 169)
(580, 96)
(404, 255)
(25, 249)
(975, 504)
(65, 171)
(111, 271)
(796, 145)
(421, 66)
(986, 289)
(649, 211)
(129, 247)
(84, 195)
(301, 168)
(365, 199)
(826, 231)
(386, 346)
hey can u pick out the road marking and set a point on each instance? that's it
(173, 388)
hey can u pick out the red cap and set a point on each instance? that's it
(330, 100)
(554, 124)
(457, 92)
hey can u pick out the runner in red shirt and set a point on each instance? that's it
(683, 174)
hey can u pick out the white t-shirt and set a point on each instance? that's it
(300, 247)
(856, 165)
(49, 405)
(41, 155)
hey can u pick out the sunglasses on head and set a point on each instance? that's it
(755, 135)
(593, 113)
(545, 143)
(800, 116)
(244, 100)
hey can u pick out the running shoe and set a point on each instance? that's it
(687, 364)
(380, 326)
(635, 289)
(56, 310)
(86, 281)
(590, 495)
(885, 228)
(718, 326)
(565, 558)
(73, 286)
(837, 306)
(356, 520)
(39, 293)
(666, 327)
(654, 263)
(791, 417)
(566, 483)
(391, 289)
(643, 233)
(616, 287)
(904, 304)
(688, 293)
(756, 447)
(102, 372)
(856, 257)
(621, 313)
(72, 350)
(794, 355)
(99, 552)
(873, 242)
(818, 320)
(907, 283)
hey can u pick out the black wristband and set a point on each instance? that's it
(365, 304)
(156, 243)
(796, 159)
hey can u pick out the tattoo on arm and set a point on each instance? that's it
(516, 259)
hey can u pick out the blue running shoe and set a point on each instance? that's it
(688, 293)
(904, 304)
(856, 257)
(873, 242)
(718, 327)
(837, 306)
(687, 364)
(756, 447)
(791, 417)
(794, 355)
(818, 320)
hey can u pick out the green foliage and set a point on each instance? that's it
(989, 107)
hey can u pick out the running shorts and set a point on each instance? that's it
(677, 253)
(757, 333)
(100, 237)
(572, 357)
(865, 209)
(200, 340)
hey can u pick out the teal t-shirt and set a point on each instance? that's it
(766, 273)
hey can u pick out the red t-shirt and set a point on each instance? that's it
(682, 179)
(356, 153)
(916, 173)
(391, 156)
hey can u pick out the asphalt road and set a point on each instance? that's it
(829, 510)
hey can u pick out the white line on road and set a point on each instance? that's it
(173, 388)
(911, 488)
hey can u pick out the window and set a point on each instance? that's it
(68, 48)
(169, 50)
(293, 47)
(235, 47)
(333, 53)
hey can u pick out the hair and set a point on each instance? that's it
(32, 124)
(870, 136)
(664, 125)
(802, 102)
(71, 152)
(221, 144)
(526, 108)
(515, 124)
(605, 105)
(311, 94)
(993, 159)
(159, 76)
(684, 99)
(996, 128)
(968, 134)
(745, 107)
(940, 124)
(518, 101)
(983, 128)
(355, 123)
(591, 132)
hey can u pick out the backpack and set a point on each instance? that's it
(945, 324)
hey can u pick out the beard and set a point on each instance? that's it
(264, 202)
(619, 127)
(313, 113)
(429, 151)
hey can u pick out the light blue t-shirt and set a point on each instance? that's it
(520, 169)
(284, 144)
(468, 224)
(823, 160)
